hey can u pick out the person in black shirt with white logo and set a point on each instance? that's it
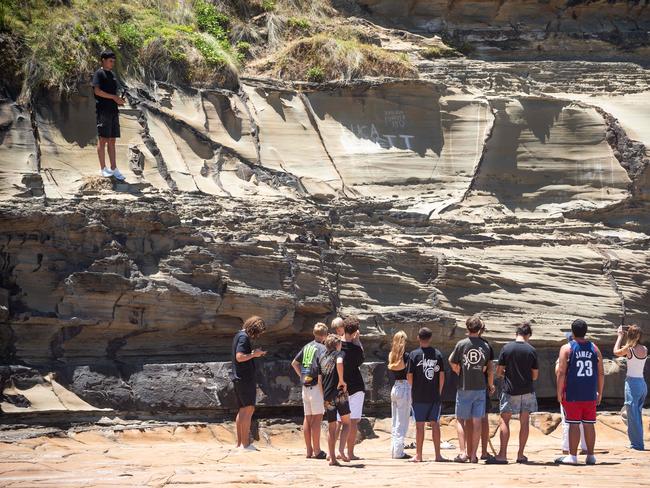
(108, 123)
(426, 374)
(243, 377)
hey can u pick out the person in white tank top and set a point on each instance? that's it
(636, 389)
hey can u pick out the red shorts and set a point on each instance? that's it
(580, 412)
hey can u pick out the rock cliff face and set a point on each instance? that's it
(517, 190)
(531, 29)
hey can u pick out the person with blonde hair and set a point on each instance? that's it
(400, 394)
(305, 364)
(242, 375)
(636, 389)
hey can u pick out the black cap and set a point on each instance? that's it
(108, 54)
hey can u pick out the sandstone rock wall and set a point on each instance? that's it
(516, 190)
(529, 29)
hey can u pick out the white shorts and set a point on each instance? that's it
(312, 400)
(356, 405)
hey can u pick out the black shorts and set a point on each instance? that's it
(246, 393)
(339, 405)
(108, 124)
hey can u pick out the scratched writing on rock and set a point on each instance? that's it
(395, 122)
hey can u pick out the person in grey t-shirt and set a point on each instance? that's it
(470, 359)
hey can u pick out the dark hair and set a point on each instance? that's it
(424, 334)
(524, 329)
(108, 54)
(254, 327)
(351, 324)
(474, 323)
(579, 328)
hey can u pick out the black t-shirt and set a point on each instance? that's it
(395, 375)
(308, 359)
(352, 360)
(519, 359)
(425, 364)
(107, 82)
(329, 374)
(244, 371)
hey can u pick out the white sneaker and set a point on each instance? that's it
(250, 447)
(118, 175)
(106, 173)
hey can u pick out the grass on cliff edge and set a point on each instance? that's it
(326, 57)
(177, 41)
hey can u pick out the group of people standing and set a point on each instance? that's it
(333, 387)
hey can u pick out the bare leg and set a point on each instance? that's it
(574, 438)
(101, 153)
(419, 441)
(111, 152)
(238, 426)
(461, 428)
(352, 438)
(504, 435)
(476, 438)
(345, 429)
(485, 436)
(315, 433)
(435, 436)
(590, 438)
(343, 439)
(246, 424)
(524, 428)
(331, 442)
(306, 430)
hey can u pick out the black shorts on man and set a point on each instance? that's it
(339, 404)
(108, 125)
(245, 393)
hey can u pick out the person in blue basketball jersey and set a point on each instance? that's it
(580, 382)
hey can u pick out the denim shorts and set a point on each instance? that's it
(517, 404)
(470, 404)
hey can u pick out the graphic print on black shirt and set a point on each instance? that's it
(308, 359)
(330, 375)
(425, 364)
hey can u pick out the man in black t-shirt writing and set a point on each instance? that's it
(242, 375)
(518, 367)
(426, 374)
(106, 105)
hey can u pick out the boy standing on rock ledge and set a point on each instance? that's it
(108, 123)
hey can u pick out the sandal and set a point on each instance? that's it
(494, 460)
(460, 459)
(522, 460)
(320, 455)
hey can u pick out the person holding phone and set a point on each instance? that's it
(243, 377)
(636, 389)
